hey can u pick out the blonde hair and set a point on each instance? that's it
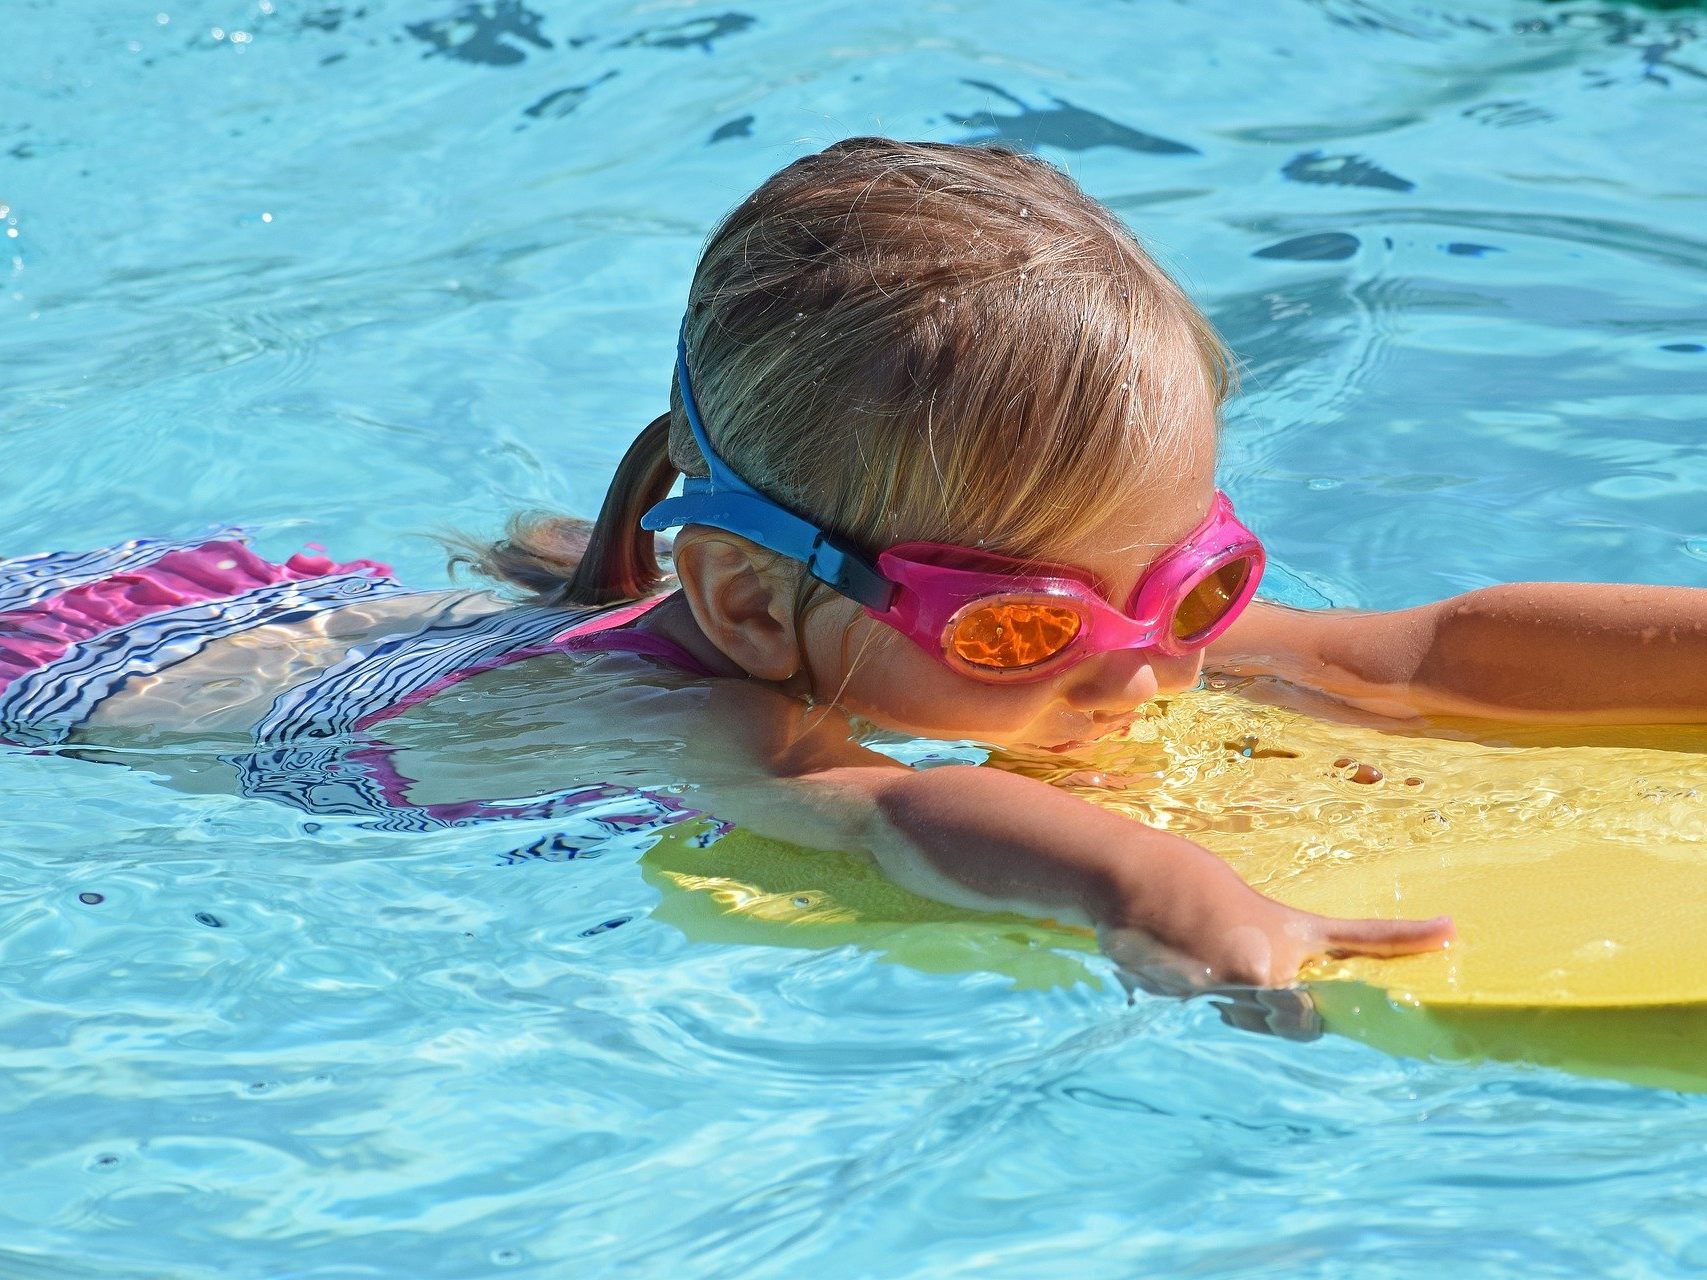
(906, 341)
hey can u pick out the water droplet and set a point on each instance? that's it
(1322, 483)
(162, 18)
(1696, 547)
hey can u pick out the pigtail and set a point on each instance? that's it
(620, 561)
(564, 561)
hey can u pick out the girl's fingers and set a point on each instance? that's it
(1386, 937)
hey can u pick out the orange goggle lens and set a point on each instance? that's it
(1012, 635)
(1208, 602)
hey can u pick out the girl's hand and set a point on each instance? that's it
(1203, 929)
(1245, 948)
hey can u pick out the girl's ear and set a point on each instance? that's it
(742, 597)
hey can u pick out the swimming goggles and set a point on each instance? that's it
(986, 616)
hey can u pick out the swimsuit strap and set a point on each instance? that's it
(600, 634)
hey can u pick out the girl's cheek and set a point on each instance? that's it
(881, 675)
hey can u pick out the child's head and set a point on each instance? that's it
(902, 342)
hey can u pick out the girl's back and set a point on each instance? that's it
(275, 678)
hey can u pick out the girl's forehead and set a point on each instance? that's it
(1155, 512)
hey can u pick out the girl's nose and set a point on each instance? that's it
(1176, 675)
(1113, 682)
(1124, 680)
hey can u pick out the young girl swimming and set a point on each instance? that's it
(949, 437)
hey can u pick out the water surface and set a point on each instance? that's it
(347, 272)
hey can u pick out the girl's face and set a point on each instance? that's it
(874, 671)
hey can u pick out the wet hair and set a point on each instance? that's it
(905, 341)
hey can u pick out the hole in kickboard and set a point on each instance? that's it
(1251, 749)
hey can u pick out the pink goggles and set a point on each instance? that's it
(988, 617)
(1003, 620)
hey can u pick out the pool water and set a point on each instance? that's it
(353, 272)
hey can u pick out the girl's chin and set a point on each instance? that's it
(1096, 734)
(1066, 748)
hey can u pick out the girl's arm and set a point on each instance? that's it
(1582, 652)
(989, 840)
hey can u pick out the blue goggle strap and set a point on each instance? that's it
(725, 501)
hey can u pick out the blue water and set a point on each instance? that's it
(349, 272)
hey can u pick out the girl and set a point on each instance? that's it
(950, 442)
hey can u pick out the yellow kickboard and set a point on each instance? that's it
(1577, 874)
(1573, 861)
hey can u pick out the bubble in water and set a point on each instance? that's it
(1696, 547)
(209, 919)
(91, 899)
(1360, 772)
